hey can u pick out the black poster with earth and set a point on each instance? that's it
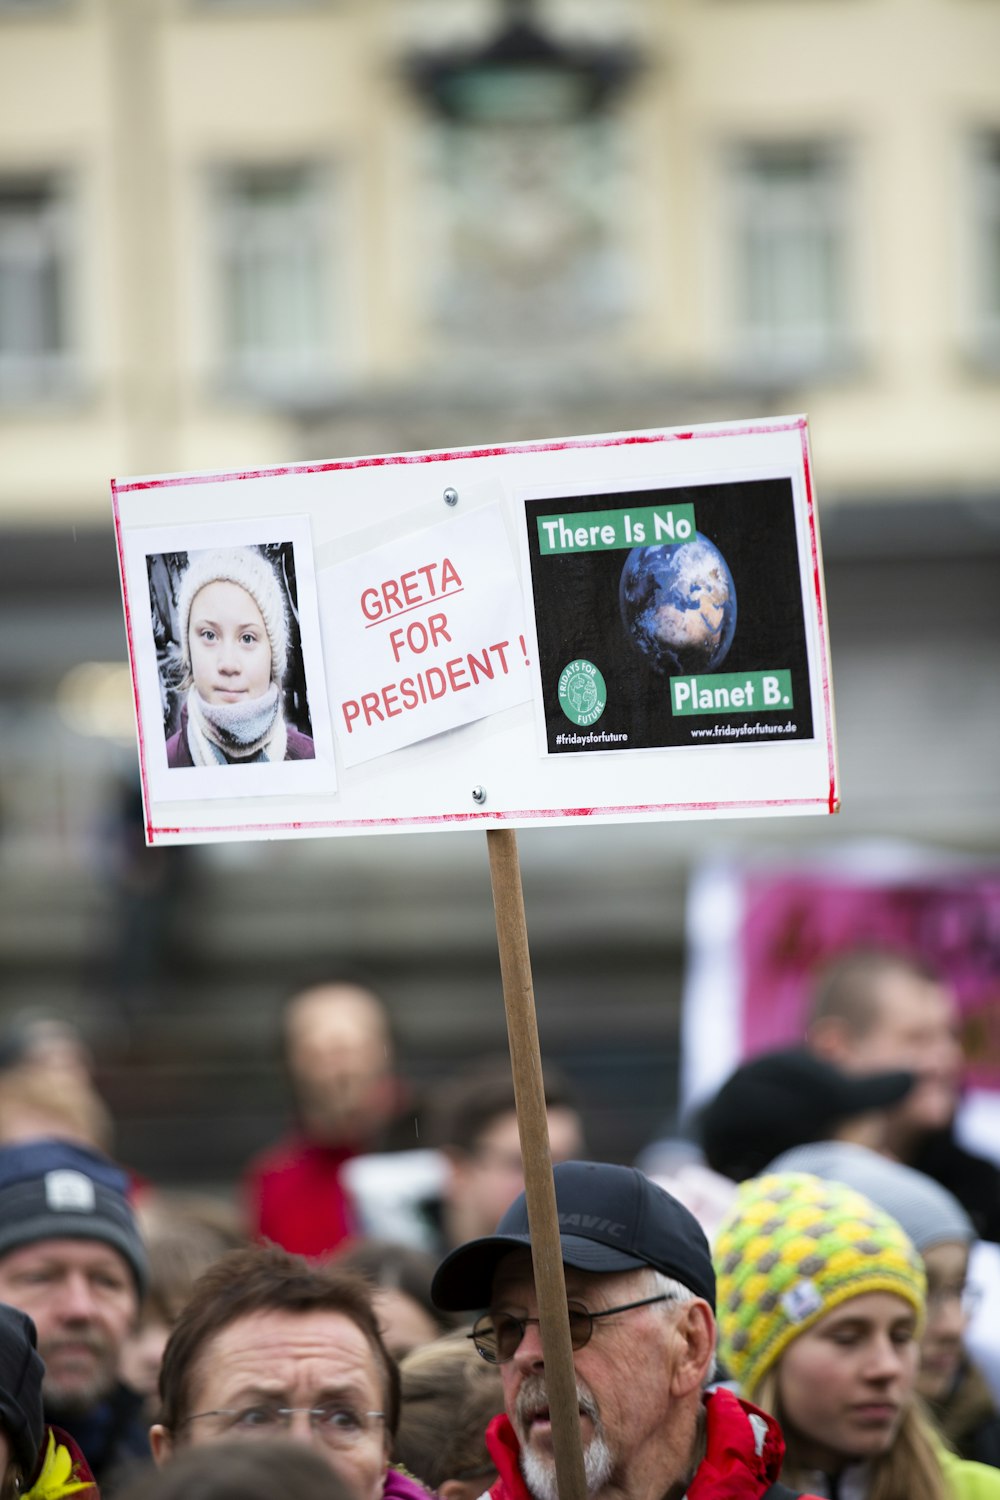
(670, 617)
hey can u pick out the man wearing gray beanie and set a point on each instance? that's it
(72, 1258)
(956, 1393)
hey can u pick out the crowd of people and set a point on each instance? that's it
(780, 1303)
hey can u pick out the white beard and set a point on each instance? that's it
(540, 1473)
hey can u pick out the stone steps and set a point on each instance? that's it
(191, 1068)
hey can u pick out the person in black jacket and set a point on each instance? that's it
(37, 1462)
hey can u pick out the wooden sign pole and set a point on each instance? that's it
(529, 1092)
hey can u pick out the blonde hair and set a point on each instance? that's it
(450, 1395)
(40, 1102)
(911, 1467)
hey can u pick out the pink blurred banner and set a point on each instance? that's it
(795, 922)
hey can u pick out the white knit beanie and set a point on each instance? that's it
(248, 568)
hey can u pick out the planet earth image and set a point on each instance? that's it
(678, 605)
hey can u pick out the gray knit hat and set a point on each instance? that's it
(52, 1190)
(249, 569)
(926, 1210)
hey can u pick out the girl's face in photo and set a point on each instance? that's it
(846, 1383)
(228, 641)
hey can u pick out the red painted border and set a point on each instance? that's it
(438, 820)
(523, 815)
(503, 450)
(120, 548)
(831, 761)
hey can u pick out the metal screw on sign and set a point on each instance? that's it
(479, 794)
(451, 496)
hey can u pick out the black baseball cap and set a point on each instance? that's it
(611, 1218)
(784, 1099)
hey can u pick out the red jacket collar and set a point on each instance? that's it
(504, 1449)
(743, 1449)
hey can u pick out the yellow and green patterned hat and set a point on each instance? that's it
(792, 1248)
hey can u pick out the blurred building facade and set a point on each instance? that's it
(238, 232)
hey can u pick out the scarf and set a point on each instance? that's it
(223, 734)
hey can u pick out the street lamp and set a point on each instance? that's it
(521, 76)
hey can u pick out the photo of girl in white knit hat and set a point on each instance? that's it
(229, 656)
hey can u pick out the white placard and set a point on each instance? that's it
(667, 585)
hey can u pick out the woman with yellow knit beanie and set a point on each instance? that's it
(820, 1306)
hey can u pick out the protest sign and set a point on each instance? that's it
(609, 628)
(629, 626)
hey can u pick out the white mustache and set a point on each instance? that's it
(533, 1397)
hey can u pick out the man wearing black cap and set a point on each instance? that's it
(72, 1258)
(789, 1098)
(641, 1293)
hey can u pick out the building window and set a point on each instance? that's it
(986, 248)
(34, 275)
(276, 272)
(789, 246)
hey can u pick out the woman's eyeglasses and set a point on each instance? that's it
(337, 1425)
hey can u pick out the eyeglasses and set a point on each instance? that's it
(498, 1335)
(969, 1296)
(337, 1425)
